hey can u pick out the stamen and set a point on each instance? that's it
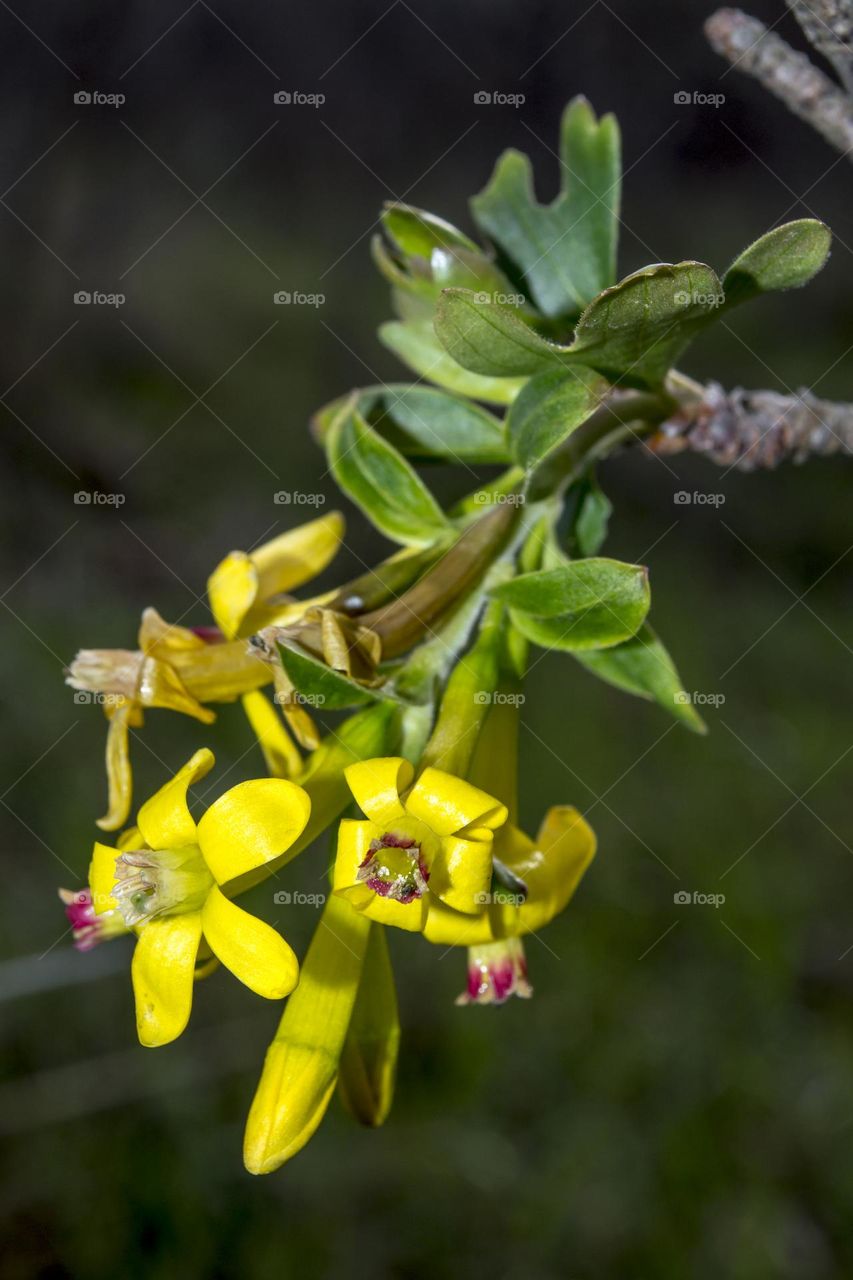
(394, 868)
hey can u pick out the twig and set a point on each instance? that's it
(790, 75)
(828, 27)
(757, 429)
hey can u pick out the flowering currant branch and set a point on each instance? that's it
(396, 700)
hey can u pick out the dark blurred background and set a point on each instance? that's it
(677, 1099)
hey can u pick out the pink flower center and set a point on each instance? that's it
(394, 868)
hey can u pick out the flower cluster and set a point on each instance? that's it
(425, 841)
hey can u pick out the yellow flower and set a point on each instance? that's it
(164, 880)
(245, 589)
(174, 668)
(542, 878)
(247, 593)
(183, 668)
(301, 1066)
(419, 846)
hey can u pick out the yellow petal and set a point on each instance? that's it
(369, 1059)
(302, 726)
(297, 555)
(252, 950)
(252, 824)
(102, 873)
(280, 754)
(232, 589)
(302, 1062)
(410, 916)
(448, 804)
(462, 872)
(551, 867)
(448, 928)
(156, 634)
(130, 838)
(161, 686)
(165, 820)
(376, 785)
(162, 972)
(119, 777)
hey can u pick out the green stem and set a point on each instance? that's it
(616, 421)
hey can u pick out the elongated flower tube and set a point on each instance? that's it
(421, 842)
(368, 1063)
(164, 882)
(175, 668)
(301, 1065)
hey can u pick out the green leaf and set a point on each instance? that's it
(443, 424)
(417, 346)
(583, 604)
(642, 665)
(424, 422)
(591, 516)
(321, 687)
(635, 331)
(565, 251)
(548, 409)
(785, 258)
(382, 482)
(490, 338)
(414, 231)
(631, 333)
